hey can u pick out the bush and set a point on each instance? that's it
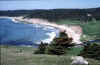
(41, 48)
(57, 47)
(91, 51)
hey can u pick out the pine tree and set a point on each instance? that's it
(41, 48)
(59, 45)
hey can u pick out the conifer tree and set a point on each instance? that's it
(59, 45)
(41, 48)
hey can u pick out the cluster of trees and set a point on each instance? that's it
(59, 14)
(57, 47)
(61, 45)
(15, 13)
(55, 14)
(91, 51)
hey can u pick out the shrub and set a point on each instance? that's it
(91, 51)
(41, 48)
(55, 49)
(59, 45)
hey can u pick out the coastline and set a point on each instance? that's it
(74, 32)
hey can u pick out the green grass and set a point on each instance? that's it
(70, 22)
(11, 55)
(91, 30)
(74, 51)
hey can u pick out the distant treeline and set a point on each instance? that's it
(55, 14)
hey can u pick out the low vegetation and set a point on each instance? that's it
(11, 55)
(57, 47)
(91, 51)
(90, 29)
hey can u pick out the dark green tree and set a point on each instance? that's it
(59, 45)
(91, 51)
(41, 48)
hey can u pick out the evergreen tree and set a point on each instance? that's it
(41, 48)
(60, 45)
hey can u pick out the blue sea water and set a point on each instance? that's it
(25, 34)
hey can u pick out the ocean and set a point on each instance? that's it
(12, 33)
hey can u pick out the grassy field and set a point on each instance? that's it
(16, 55)
(91, 30)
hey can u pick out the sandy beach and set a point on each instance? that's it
(73, 31)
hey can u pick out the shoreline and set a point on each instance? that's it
(74, 32)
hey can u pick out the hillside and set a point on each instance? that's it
(55, 14)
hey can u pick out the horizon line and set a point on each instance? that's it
(49, 9)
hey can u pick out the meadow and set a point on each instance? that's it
(18, 55)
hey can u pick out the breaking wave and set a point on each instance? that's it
(13, 32)
(73, 31)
